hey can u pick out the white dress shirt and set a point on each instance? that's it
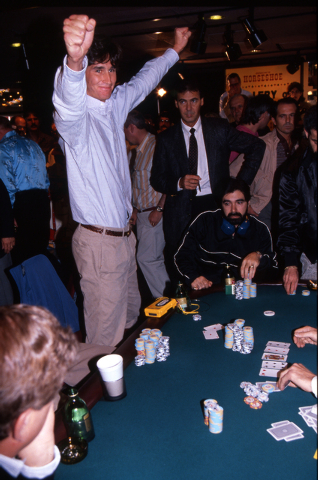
(92, 136)
(15, 466)
(203, 170)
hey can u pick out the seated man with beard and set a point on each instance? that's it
(226, 236)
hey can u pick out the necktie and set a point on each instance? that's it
(193, 153)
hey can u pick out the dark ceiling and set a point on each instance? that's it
(146, 32)
(288, 30)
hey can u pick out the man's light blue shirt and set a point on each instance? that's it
(93, 139)
(22, 165)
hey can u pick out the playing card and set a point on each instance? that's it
(278, 344)
(268, 372)
(210, 335)
(280, 424)
(275, 365)
(275, 357)
(284, 431)
(216, 326)
(260, 384)
(281, 351)
(294, 437)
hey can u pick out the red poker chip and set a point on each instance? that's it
(256, 405)
(249, 399)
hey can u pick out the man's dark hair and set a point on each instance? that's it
(136, 118)
(5, 123)
(104, 50)
(164, 114)
(255, 107)
(232, 76)
(310, 119)
(293, 85)
(283, 101)
(237, 184)
(189, 85)
(27, 113)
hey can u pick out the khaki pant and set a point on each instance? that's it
(107, 266)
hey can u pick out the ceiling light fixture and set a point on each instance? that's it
(157, 33)
(233, 50)
(15, 45)
(294, 65)
(198, 44)
(216, 17)
(254, 36)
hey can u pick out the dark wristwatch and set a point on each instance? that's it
(159, 209)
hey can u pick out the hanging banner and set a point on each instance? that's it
(271, 80)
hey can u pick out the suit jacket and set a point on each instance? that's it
(170, 162)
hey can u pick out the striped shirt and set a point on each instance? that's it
(144, 196)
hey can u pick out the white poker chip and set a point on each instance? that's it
(196, 317)
(269, 313)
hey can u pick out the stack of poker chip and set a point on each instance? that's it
(228, 340)
(209, 403)
(255, 395)
(215, 419)
(248, 335)
(163, 349)
(150, 351)
(140, 360)
(253, 290)
(246, 288)
(238, 338)
(140, 346)
(239, 290)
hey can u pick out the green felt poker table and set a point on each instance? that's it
(157, 431)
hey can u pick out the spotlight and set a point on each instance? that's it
(198, 44)
(294, 65)
(254, 36)
(233, 50)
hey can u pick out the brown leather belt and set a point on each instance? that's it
(107, 232)
(150, 209)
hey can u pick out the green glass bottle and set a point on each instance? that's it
(229, 280)
(77, 417)
(182, 297)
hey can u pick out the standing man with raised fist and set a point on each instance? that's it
(90, 116)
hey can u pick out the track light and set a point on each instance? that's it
(294, 65)
(254, 36)
(233, 50)
(198, 44)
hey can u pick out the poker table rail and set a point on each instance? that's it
(90, 388)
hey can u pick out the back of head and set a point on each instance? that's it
(104, 50)
(5, 123)
(255, 107)
(310, 119)
(35, 352)
(136, 118)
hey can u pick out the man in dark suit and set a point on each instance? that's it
(191, 164)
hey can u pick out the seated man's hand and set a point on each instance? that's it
(189, 182)
(200, 283)
(297, 376)
(249, 265)
(305, 335)
(290, 279)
